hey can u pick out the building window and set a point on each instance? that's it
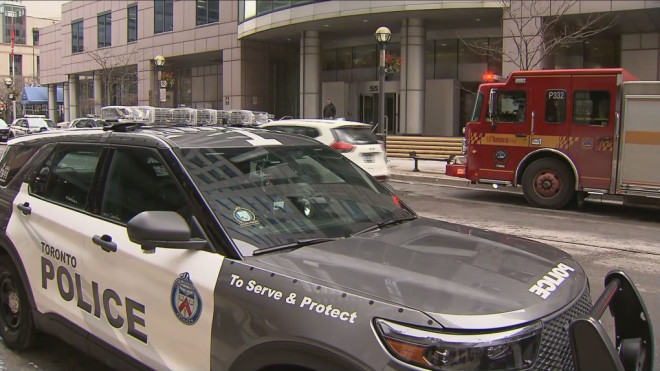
(131, 30)
(208, 11)
(163, 16)
(16, 67)
(35, 36)
(77, 37)
(104, 25)
(14, 24)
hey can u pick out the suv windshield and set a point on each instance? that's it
(272, 196)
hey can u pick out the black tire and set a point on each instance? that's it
(16, 324)
(548, 183)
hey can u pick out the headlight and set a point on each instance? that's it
(505, 350)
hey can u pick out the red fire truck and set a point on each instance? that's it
(565, 134)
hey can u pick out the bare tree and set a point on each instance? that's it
(535, 29)
(118, 73)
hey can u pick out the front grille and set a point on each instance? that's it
(555, 352)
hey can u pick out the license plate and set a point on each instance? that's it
(368, 158)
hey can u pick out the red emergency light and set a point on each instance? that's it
(490, 77)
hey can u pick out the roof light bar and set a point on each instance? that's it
(159, 116)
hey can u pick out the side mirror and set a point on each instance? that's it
(166, 229)
(492, 98)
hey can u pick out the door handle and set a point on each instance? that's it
(604, 139)
(105, 242)
(25, 208)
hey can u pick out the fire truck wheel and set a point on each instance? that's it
(548, 183)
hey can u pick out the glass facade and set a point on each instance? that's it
(248, 9)
(14, 17)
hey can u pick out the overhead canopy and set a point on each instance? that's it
(39, 95)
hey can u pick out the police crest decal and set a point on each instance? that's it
(186, 302)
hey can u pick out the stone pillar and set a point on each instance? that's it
(98, 93)
(310, 74)
(413, 79)
(52, 102)
(232, 86)
(73, 96)
(65, 109)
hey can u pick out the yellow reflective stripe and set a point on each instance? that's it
(643, 137)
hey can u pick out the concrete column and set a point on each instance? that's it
(65, 91)
(73, 96)
(52, 102)
(98, 93)
(413, 79)
(310, 74)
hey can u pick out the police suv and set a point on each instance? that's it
(205, 247)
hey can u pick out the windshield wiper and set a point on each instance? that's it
(294, 245)
(386, 223)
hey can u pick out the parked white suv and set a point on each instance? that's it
(30, 124)
(354, 140)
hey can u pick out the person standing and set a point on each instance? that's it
(329, 111)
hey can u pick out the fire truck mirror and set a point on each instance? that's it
(492, 99)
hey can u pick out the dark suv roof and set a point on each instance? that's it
(175, 137)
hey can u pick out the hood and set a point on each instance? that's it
(462, 277)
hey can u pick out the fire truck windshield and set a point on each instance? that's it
(478, 104)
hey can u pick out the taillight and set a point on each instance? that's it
(342, 146)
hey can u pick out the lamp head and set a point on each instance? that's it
(8, 81)
(159, 61)
(383, 35)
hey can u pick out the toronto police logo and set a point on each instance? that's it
(186, 302)
(244, 216)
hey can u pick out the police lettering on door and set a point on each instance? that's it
(105, 301)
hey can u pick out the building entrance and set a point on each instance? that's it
(368, 108)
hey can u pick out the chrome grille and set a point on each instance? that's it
(555, 352)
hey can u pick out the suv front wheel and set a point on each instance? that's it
(16, 324)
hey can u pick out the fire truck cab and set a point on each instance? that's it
(553, 132)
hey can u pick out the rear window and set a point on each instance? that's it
(13, 160)
(37, 123)
(301, 130)
(355, 135)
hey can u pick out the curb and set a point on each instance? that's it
(440, 179)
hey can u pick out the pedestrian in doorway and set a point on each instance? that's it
(329, 111)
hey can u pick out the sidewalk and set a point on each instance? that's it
(432, 172)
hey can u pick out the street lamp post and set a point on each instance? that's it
(383, 36)
(159, 62)
(10, 97)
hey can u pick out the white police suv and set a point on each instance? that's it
(194, 248)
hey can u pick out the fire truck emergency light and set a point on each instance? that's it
(490, 77)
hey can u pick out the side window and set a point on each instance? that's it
(138, 181)
(555, 106)
(591, 107)
(510, 106)
(66, 176)
(13, 160)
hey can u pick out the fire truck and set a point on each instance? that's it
(563, 135)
